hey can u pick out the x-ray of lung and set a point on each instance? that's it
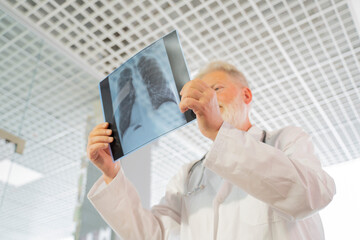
(155, 81)
(140, 98)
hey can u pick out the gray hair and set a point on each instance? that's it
(225, 67)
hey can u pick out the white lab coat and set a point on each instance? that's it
(252, 191)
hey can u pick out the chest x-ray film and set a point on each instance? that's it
(140, 98)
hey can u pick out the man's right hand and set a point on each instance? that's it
(98, 151)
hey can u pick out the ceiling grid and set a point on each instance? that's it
(301, 58)
(53, 127)
(258, 116)
(282, 89)
(349, 76)
(321, 69)
(302, 82)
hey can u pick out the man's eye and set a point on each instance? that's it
(217, 88)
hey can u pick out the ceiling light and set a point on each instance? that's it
(19, 174)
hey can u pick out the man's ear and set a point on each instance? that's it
(247, 95)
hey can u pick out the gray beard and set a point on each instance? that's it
(233, 114)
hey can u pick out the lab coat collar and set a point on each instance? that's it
(256, 132)
(215, 181)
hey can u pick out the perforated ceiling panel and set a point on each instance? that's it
(302, 59)
(44, 99)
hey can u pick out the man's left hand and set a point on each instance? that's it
(199, 97)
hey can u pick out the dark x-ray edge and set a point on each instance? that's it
(181, 76)
(115, 147)
(178, 65)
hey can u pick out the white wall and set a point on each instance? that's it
(341, 217)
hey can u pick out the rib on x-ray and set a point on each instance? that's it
(126, 104)
(155, 82)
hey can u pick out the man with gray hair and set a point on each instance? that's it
(251, 184)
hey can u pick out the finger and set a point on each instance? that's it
(196, 83)
(102, 126)
(100, 139)
(186, 85)
(209, 93)
(94, 148)
(192, 93)
(190, 103)
(100, 132)
(200, 85)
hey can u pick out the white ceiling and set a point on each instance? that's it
(302, 59)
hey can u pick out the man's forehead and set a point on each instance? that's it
(219, 76)
(216, 76)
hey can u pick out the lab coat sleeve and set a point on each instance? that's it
(287, 176)
(119, 205)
